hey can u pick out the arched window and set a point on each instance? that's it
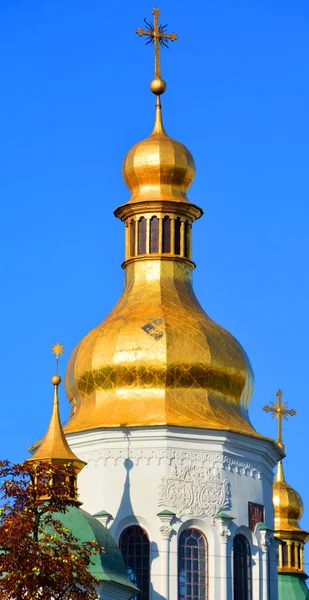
(242, 568)
(192, 566)
(166, 235)
(154, 234)
(134, 546)
(142, 236)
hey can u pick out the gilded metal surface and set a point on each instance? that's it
(159, 359)
(287, 503)
(158, 168)
(157, 35)
(54, 448)
(288, 509)
(280, 412)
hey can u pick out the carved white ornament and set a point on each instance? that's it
(225, 534)
(169, 456)
(195, 491)
(166, 530)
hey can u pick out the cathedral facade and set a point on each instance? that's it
(159, 395)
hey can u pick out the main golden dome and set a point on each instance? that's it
(157, 358)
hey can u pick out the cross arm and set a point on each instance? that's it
(140, 31)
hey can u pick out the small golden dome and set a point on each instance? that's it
(158, 167)
(287, 504)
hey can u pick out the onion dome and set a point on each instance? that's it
(288, 508)
(287, 503)
(158, 359)
(158, 167)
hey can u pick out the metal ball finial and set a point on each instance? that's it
(56, 380)
(158, 86)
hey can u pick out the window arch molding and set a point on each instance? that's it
(251, 537)
(206, 529)
(132, 520)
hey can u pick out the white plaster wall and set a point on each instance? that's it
(136, 473)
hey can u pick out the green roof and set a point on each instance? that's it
(223, 515)
(166, 512)
(107, 566)
(292, 587)
(103, 513)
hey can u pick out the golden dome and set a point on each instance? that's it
(287, 504)
(158, 167)
(158, 359)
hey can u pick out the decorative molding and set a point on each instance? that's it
(166, 530)
(171, 456)
(224, 535)
(267, 539)
(195, 491)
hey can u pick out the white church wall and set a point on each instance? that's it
(136, 473)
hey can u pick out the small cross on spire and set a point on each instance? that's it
(157, 35)
(280, 412)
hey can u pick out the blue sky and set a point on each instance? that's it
(75, 97)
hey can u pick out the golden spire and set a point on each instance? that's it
(54, 448)
(157, 35)
(280, 472)
(280, 412)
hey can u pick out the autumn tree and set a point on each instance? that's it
(40, 559)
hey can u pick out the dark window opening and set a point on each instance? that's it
(187, 239)
(142, 236)
(242, 568)
(256, 514)
(166, 235)
(132, 238)
(293, 555)
(192, 566)
(177, 236)
(154, 234)
(135, 549)
(285, 557)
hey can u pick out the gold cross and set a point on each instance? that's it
(280, 412)
(157, 36)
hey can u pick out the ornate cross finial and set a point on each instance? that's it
(58, 350)
(157, 35)
(280, 412)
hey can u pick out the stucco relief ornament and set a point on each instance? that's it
(166, 530)
(195, 491)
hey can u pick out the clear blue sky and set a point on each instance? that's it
(74, 98)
